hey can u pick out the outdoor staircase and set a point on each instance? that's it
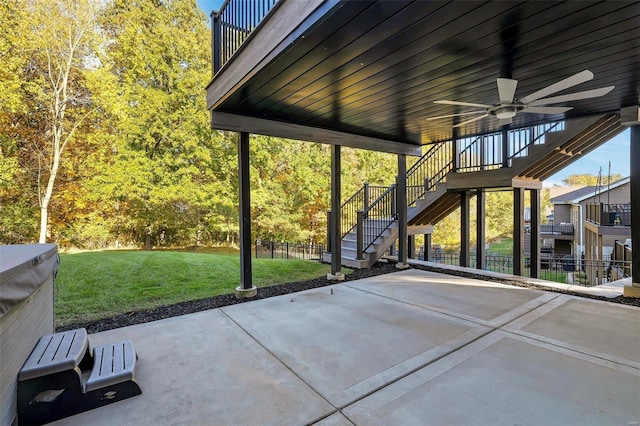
(434, 182)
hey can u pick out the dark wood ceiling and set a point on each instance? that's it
(374, 68)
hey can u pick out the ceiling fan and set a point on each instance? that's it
(535, 102)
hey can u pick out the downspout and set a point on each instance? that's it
(581, 222)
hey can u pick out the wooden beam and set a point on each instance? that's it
(261, 126)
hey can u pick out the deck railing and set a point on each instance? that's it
(232, 25)
(557, 229)
(621, 259)
(609, 214)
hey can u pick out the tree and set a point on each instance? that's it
(158, 60)
(63, 33)
(587, 179)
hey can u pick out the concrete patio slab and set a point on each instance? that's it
(488, 303)
(505, 379)
(601, 329)
(346, 343)
(201, 369)
(407, 348)
(336, 419)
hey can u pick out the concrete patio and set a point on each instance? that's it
(410, 348)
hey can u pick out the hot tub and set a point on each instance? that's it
(26, 312)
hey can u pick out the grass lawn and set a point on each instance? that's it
(95, 285)
(504, 246)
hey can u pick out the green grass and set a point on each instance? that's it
(504, 246)
(95, 285)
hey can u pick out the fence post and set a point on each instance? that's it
(287, 250)
(367, 196)
(359, 234)
(272, 248)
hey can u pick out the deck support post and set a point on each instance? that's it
(411, 246)
(246, 288)
(427, 248)
(480, 229)
(631, 117)
(465, 239)
(401, 205)
(336, 233)
(518, 231)
(534, 247)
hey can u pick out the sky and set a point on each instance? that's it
(208, 5)
(616, 150)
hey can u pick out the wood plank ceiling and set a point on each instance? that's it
(374, 68)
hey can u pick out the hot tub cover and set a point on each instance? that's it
(23, 269)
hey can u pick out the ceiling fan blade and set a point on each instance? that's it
(455, 115)
(546, 110)
(575, 79)
(505, 121)
(462, 104)
(472, 120)
(507, 89)
(573, 96)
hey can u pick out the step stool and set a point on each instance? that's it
(63, 377)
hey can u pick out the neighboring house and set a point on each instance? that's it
(597, 215)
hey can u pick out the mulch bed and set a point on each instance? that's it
(183, 308)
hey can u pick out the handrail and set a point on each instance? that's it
(232, 25)
(376, 219)
(360, 200)
(536, 134)
(429, 170)
(370, 221)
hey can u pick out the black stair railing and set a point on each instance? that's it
(429, 170)
(360, 200)
(520, 140)
(486, 152)
(373, 221)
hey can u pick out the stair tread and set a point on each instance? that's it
(54, 353)
(113, 363)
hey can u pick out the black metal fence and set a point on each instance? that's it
(562, 269)
(283, 250)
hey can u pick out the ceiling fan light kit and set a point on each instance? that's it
(535, 103)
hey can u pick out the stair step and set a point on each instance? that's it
(54, 353)
(112, 364)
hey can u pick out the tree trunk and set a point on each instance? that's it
(44, 202)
